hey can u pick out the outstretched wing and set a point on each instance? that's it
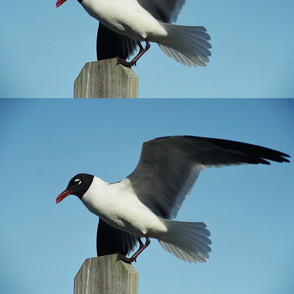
(169, 167)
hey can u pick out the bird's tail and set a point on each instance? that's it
(186, 240)
(186, 44)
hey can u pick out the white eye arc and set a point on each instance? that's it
(78, 181)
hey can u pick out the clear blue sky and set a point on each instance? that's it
(43, 49)
(248, 209)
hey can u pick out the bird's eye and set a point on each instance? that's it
(77, 181)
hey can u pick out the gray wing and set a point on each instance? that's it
(165, 10)
(169, 166)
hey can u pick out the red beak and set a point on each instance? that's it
(62, 195)
(59, 2)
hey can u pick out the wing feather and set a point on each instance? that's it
(169, 167)
(164, 10)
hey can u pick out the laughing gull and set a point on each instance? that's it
(143, 204)
(125, 24)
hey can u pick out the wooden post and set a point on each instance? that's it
(105, 275)
(106, 79)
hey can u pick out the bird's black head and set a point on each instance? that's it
(78, 186)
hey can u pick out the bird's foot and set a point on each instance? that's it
(124, 62)
(136, 58)
(124, 258)
(136, 254)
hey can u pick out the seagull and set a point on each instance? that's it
(124, 24)
(143, 204)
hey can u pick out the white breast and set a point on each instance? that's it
(117, 205)
(126, 17)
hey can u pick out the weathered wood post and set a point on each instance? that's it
(105, 275)
(106, 79)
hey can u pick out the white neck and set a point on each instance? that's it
(96, 196)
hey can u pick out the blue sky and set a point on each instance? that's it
(43, 50)
(248, 209)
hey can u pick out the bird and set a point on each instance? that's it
(124, 24)
(144, 204)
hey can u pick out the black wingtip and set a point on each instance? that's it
(276, 156)
(247, 153)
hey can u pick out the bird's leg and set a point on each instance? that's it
(141, 52)
(136, 58)
(136, 254)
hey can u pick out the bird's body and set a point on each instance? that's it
(148, 21)
(126, 17)
(118, 205)
(144, 203)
